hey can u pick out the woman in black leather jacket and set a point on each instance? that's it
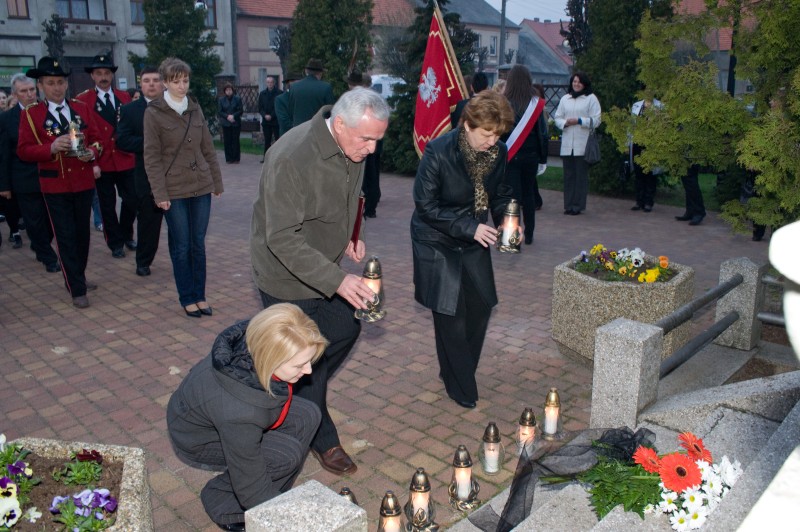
(459, 180)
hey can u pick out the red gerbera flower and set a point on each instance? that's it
(648, 459)
(694, 446)
(679, 472)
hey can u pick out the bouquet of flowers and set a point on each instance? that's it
(623, 265)
(691, 485)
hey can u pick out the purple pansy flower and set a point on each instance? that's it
(54, 506)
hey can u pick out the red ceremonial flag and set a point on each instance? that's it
(441, 86)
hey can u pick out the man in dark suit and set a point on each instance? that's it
(309, 94)
(116, 166)
(282, 113)
(20, 179)
(130, 138)
(266, 109)
(66, 175)
(478, 83)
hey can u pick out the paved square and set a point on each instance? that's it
(105, 374)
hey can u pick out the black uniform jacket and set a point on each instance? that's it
(443, 225)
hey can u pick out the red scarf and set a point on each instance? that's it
(285, 410)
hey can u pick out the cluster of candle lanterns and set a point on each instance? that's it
(419, 511)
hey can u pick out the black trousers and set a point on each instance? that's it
(645, 186)
(10, 208)
(271, 132)
(148, 230)
(70, 215)
(459, 341)
(117, 231)
(694, 197)
(576, 182)
(521, 177)
(37, 226)
(230, 139)
(372, 182)
(335, 320)
(284, 449)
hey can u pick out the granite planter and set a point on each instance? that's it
(554, 147)
(134, 513)
(582, 303)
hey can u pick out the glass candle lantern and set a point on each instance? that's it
(526, 431)
(419, 508)
(552, 415)
(463, 488)
(491, 453)
(509, 236)
(391, 516)
(348, 494)
(373, 278)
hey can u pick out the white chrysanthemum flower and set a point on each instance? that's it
(698, 517)
(693, 498)
(713, 502)
(33, 514)
(668, 502)
(728, 472)
(712, 484)
(704, 467)
(679, 521)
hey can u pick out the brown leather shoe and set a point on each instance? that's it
(336, 461)
(80, 302)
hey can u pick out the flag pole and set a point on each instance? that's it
(448, 46)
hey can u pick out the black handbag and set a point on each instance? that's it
(592, 153)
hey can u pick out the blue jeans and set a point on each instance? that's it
(187, 222)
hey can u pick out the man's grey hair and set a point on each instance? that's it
(353, 104)
(19, 77)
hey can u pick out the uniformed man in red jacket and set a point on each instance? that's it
(67, 181)
(116, 166)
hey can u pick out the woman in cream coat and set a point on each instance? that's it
(578, 111)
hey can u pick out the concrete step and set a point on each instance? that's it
(712, 366)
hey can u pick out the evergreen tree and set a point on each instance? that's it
(337, 32)
(771, 148)
(698, 123)
(175, 28)
(398, 150)
(601, 34)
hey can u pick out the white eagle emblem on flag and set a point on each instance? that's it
(428, 89)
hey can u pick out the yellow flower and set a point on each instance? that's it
(613, 254)
(623, 270)
(609, 265)
(641, 278)
(599, 248)
(651, 275)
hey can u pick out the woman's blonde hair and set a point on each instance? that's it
(489, 110)
(276, 334)
(173, 68)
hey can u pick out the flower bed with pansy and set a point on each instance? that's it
(686, 486)
(41, 493)
(623, 265)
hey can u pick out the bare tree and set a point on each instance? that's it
(282, 46)
(509, 56)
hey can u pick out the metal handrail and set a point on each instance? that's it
(770, 318)
(685, 313)
(697, 343)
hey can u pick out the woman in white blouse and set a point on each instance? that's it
(578, 111)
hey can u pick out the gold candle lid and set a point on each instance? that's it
(347, 494)
(372, 269)
(420, 482)
(491, 434)
(552, 398)
(390, 505)
(462, 457)
(512, 208)
(527, 419)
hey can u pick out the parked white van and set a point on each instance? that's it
(383, 83)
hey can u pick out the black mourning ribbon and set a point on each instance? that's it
(573, 454)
